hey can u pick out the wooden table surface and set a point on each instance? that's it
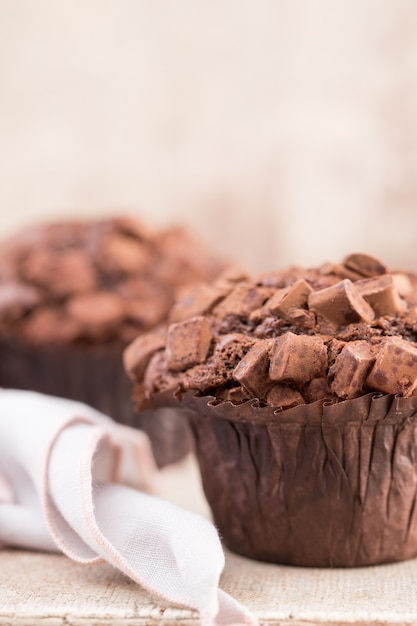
(50, 590)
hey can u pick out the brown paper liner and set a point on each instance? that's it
(320, 485)
(93, 375)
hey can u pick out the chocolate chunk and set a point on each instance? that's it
(72, 273)
(188, 343)
(242, 300)
(284, 396)
(137, 355)
(141, 288)
(198, 301)
(395, 369)
(302, 318)
(97, 312)
(341, 304)
(50, 326)
(236, 395)
(131, 226)
(38, 267)
(258, 315)
(61, 236)
(381, 294)
(402, 284)
(121, 254)
(231, 275)
(298, 358)
(318, 389)
(351, 369)
(127, 333)
(252, 370)
(291, 297)
(182, 261)
(146, 313)
(364, 264)
(61, 273)
(146, 304)
(340, 271)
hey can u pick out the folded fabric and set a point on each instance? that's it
(62, 465)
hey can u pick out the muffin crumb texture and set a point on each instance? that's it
(286, 338)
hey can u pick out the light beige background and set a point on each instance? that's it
(281, 130)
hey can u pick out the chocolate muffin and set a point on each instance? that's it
(301, 390)
(73, 294)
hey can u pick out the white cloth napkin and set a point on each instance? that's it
(62, 465)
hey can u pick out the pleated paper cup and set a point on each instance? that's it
(317, 485)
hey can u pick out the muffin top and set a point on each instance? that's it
(94, 281)
(286, 338)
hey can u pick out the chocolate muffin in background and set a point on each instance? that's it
(301, 390)
(73, 294)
